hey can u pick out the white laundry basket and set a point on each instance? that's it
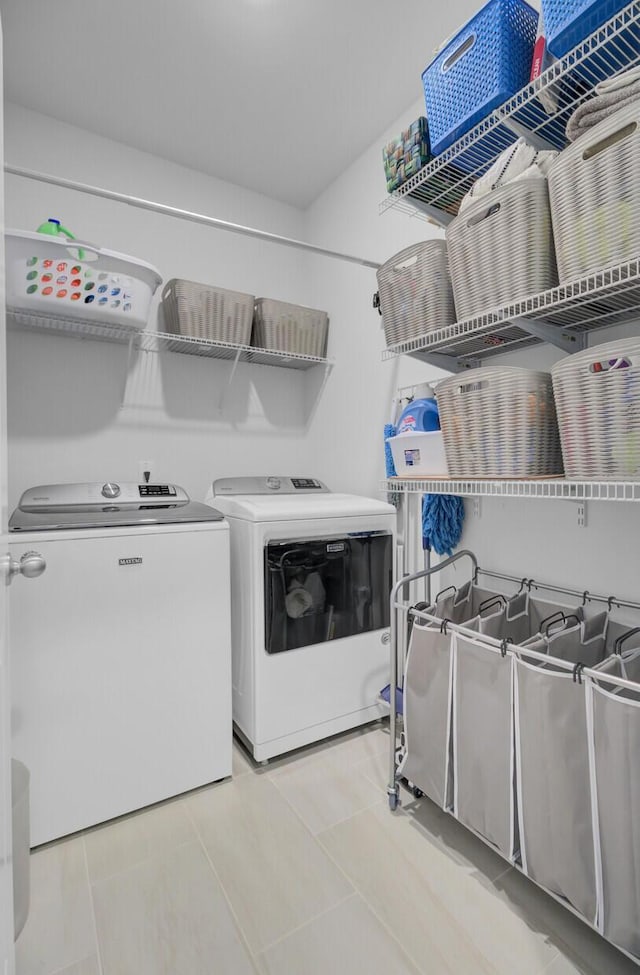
(54, 278)
(499, 422)
(415, 292)
(501, 248)
(593, 188)
(597, 395)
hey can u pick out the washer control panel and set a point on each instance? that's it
(80, 495)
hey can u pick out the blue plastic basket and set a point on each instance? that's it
(568, 22)
(486, 63)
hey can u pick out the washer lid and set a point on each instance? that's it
(314, 507)
(54, 507)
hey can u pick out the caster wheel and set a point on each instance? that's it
(394, 802)
(417, 793)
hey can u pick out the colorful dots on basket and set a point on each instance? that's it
(62, 266)
(102, 288)
(31, 261)
(32, 288)
(116, 303)
(47, 290)
(76, 295)
(103, 300)
(88, 274)
(89, 286)
(31, 275)
(47, 263)
(126, 306)
(76, 283)
(62, 279)
(89, 299)
(62, 293)
(114, 292)
(47, 277)
(76, 269)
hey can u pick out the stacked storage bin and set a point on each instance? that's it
(486, 63)
(568, 22)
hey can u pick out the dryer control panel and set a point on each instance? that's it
(272, 484)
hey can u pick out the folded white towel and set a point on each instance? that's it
(619, 82)
(516, 162)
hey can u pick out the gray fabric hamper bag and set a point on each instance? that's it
(427, 694)
(483, 752)
(427, 713)
(554, 792)
(616, 765)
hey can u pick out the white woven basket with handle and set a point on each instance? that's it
(593, 188)
(501, 248)
(597, 395)
(499, 422)
(415, 292)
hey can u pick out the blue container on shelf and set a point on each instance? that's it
(487, 62)
(568, 22)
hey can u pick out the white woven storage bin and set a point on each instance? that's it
(597, 395)
(593, 188)
(204, 312)
(65, 280)
(415, 292)
(501, 248)
(282, 327)
(499, 422)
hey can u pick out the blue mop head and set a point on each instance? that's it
(442, 519)
(389, 431)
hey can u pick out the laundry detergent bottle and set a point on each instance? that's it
(421, 415)
(54, 228)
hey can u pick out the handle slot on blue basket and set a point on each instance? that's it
(611, 140)
(459, 52)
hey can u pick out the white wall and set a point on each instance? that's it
(66, 419)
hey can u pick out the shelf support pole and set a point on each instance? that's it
(553, 334)
(125, 383)
(227, 386)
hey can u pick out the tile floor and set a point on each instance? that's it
(298, 868)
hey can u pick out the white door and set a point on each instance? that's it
(6, 875)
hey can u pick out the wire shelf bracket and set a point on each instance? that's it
(561, 338)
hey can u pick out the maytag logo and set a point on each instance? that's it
(130, 561)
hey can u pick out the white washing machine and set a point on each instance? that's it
(121, 652)
(311, 573)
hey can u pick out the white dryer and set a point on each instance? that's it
(120, 652)
(311, 573)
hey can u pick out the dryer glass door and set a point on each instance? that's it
(324, 589)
